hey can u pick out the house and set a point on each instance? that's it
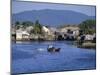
(22, 35)
(89, 37)
(29, 28)
(46, 30)
(71, 28)
(76, 33)
(48, 33)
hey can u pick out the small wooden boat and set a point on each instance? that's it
(53, 49)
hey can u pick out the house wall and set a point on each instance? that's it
(18, 36)
(25, 36)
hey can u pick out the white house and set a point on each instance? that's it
(89, 37)
(75, 32)
(72, 28)
(29, 28)
(22, 35)
(46, 30)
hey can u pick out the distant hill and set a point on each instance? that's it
(51, 17)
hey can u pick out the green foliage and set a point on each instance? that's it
(27, 23)
(17, 23)
(23, 24)
(88, 26)
(37, 27)
(17, 26)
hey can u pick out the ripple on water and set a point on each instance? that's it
(33, 57)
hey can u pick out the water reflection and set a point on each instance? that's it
(34, 57)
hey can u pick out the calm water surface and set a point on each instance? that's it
(31, 57)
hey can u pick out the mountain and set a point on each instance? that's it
(51, 17)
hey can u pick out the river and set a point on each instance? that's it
(32, 57)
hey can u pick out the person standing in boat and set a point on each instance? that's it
(50, 46)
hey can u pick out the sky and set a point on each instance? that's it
(21, 6)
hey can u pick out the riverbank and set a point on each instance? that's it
(88, 45)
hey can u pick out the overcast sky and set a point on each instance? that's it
(18, 6)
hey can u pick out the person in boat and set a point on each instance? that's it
(53, 49)
(50, 48)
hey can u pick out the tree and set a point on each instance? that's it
(17, 24)
(27, 23)
(88, 26)
(37, 27)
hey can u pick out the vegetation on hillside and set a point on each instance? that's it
(88, 26)
(37, 27)
(26, 24)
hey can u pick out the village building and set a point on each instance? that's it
(70, 32)
(89, 37)
(22, 35)
(46, 30)
(49, 32)
(72, 28)
(29, 29)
